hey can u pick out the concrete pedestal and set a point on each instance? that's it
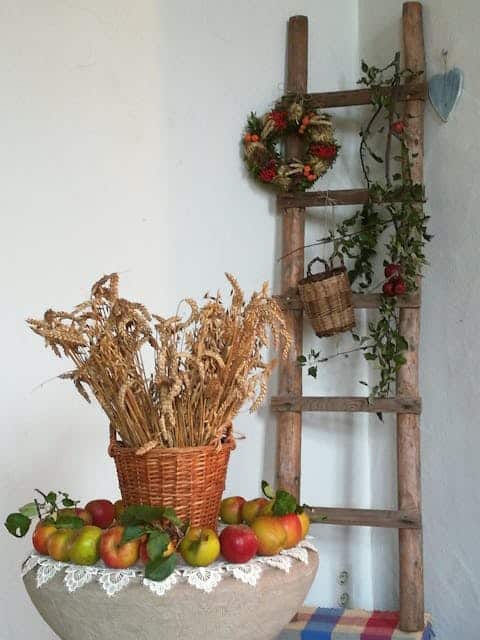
(233, 611)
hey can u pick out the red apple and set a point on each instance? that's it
(271, 535)
(388, 289)
(252, 508)
(60, 543)
(231, 510)
(238, 543)
(117, 555)
(398, 127)
(392, 270)
(102, 512)
(293, 528)
(40, 537)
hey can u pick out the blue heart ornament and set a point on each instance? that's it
(444, 91)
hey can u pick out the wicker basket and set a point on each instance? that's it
(190, 479)
(327, 299)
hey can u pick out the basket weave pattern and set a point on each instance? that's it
(327, 300)
(190, 479)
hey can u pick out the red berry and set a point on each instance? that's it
(388, 289)
(398, 127)
(400, 288)
(392, 270)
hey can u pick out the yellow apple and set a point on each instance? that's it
(85, 549)
(305, 522)
(252, 508)
(200, 547)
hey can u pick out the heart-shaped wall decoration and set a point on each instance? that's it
(444, 91)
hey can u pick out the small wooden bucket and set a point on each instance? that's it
(327, 299)
(190, 479)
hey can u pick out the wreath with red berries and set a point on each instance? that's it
(262, 141)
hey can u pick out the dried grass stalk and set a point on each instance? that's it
(205, 367)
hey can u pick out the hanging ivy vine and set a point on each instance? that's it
(394, 205)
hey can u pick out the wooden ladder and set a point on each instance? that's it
(290, 403)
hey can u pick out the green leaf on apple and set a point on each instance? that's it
(169, 514)
(284, 503)
(69, 522)
(17, 524)
(51, 498)
(160, 568)
(268, 490)
(67, 501)
(29, 510)
(157, 544)
(145, 514)
(133, 532)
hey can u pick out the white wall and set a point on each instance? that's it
(449, 346)
(120, 151)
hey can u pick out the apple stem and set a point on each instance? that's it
(37, 506)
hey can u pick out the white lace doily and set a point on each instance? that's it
(204, 578)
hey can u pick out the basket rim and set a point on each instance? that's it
(317, 277)
(117, 446)
(156, 451)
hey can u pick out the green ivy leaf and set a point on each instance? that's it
(145, 514)
(29, 510)
(312, 371)
(267, 490)
(51, 498)
(161, 568)
(157, 544)
(132, 532)
(17, 524)
(140, 514)
(301, 359)
(284, 503)
(169, 513)
(69, 522)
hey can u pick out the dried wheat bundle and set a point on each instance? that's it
(205, 366)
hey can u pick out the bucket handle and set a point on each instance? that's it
(328, 267)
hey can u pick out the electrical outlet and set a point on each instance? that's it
(343, 586)
(343, 577)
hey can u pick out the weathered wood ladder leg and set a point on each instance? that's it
(408, 425)
(289, 424)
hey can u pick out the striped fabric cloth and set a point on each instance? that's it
(350, 624)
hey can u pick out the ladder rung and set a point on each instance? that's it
(357, 97)
(350, 404)
(365, 517)
(292, 301)
(327, 198)
(323, 198)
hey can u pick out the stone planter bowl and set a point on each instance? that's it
(233, 610)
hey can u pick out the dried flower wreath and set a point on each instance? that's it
(262, 140)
